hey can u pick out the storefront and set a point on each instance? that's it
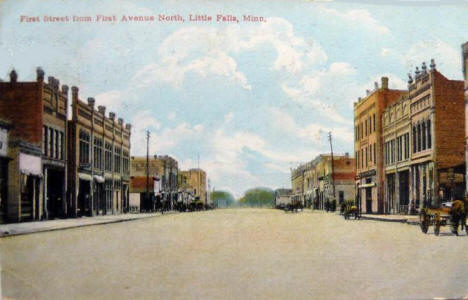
(30, 169)
(4, 160)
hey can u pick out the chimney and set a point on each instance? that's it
(13, 76)
(50, 80)
(40, 74)
(376, 85)
(367, 92)
(121, 121)
(91, 101)
(416, 73)
(102, 109)
(112, 115)
(384, 82)
(65, 89)
(75, 91)
(128, 126)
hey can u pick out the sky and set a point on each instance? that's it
(250, 99)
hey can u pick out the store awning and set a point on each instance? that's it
(84, 176)
(30, 164)
(366, 185)
(98, 178)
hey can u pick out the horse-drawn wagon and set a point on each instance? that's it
(451, 213)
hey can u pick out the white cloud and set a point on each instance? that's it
(447, 59)
(209, 51)
(228, 117)
(359, 17)
(171, 116)
(312, 133)
(112, 100)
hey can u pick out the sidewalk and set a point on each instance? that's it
(409, 219)
(59, 224)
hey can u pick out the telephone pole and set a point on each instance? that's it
(332, 164)
(147, 166)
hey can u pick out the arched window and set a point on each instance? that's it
(429, 134)
(423, 135)
(419, 137)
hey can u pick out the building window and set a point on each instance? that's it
(51, 142)
(57, 137)
(419, 137)
(108, 157)
(45, 140)
(414, 139)
(407, 146)
(375, 155)
(429, 134)
(126, 169)
(98, 153)
(373, 117)
(62, 148)
(370, 152)
(117, 160)
(423, 134)
(366, 158)
(84, 147)
(341, 196)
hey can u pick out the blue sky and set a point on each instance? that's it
(252, 99)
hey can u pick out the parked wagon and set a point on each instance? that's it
(451, 213)
(348, 209)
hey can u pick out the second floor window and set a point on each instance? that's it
(84, 147)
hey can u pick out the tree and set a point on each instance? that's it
(222, 199)
(258, 197)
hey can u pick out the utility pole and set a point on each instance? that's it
(147, 166)
(332, 164)
(199, 183)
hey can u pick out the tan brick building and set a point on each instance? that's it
(99, 166)
(196, 180)
(312, 182)
(437, 114)
(162, 180)
(37, 112)
(368, 145)
(396, 125)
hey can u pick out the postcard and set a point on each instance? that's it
(179, 149)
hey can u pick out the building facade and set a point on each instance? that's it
(368, 146)
(37, 112)
(196, 180)
(323, 179)
(465, 76)
(396, 125)
(162, 185)
(437, 112)
(4, 162)
(99, 160)
(282, 197)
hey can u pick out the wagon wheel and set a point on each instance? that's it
(424, 221)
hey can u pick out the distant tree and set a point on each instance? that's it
(222, 198)
(258, 197)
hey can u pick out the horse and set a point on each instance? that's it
(458, 215)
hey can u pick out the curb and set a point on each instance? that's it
(384, 220)
(2, 235)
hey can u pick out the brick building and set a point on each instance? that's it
(396, 125)
(4, 161)
(37, 112)
(368, 146)
(99, 166)
(312, 182)
(162, 181)
(196, 180)
(465, 76)
(437, 115)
